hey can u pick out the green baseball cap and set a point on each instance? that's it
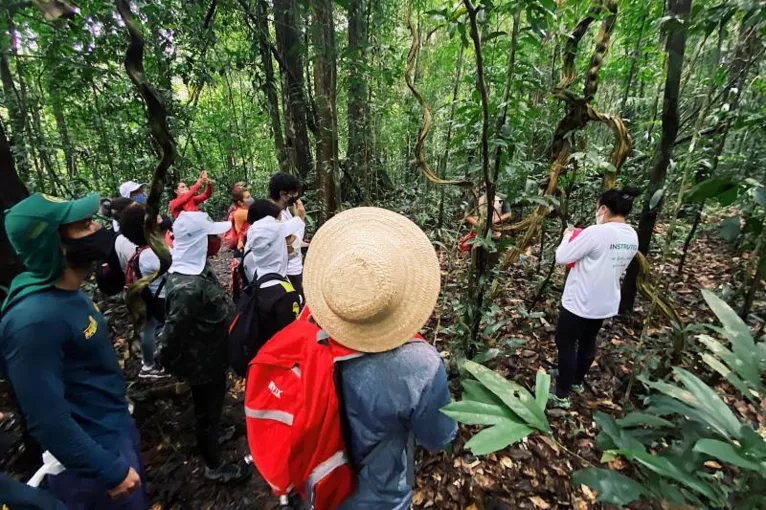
(32, 227)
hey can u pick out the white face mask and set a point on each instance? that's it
(599, 218)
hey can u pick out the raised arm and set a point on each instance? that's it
(35, 369)
(205, 194)
(177, 204)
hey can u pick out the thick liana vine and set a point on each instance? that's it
(579, 112)
(426, 125)
(158, 127)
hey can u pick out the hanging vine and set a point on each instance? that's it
(579, 112)
(426, 125)
(158, 127)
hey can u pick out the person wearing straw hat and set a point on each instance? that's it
(192, 345)
(372, 279)
(58, 355)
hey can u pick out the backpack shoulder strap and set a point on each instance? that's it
(270, 277)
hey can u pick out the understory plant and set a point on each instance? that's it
(687, 447)
(507, 408)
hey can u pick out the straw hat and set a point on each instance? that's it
(371, 279)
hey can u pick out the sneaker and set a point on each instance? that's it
(153, 372)
(578, 388)
(558, 402)
(226, 434)
(228, 473)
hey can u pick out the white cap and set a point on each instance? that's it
(266, 242)
(126, 188)
(190, 233)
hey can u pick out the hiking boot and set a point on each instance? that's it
(152, 372)
(578, 388)
(226, 434)
(558, 402)
(228, 473)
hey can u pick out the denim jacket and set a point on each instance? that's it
(390, 398)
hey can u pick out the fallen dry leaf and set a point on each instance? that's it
(418, 497)
(712, 464)
(539, 502)
(506, 462)
(581, 504)
(588, 492)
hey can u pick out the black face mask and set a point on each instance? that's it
(291, 201)
(92, 248)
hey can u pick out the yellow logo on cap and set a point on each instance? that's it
(91, 329)
(55, 200)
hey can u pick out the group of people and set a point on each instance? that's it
(372, 280)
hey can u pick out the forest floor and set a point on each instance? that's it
(534, 474)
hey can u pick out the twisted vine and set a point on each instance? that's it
(426, 125)
(578, 113)
(158, 127)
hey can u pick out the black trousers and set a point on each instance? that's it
(208, 407)
(576, 342)
(297, 281)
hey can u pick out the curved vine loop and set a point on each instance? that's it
(157, 118)
(578, 114)
(426, 126)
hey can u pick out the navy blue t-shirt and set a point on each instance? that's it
(58, 355)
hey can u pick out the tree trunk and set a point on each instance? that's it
(15, 111)
(675, 48)
(358, 108)
(503, 114)
(634, 62)
(325, 78)
(66, 143)
(481, 256)
(12, 190)
(269, 83)
(747, 42)
(290, 47)
(448, 139)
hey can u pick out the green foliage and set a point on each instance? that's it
(685, 432)
(742, 364)
(511, 410)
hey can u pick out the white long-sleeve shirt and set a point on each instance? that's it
(601, 254)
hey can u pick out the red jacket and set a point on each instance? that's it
(188, 201)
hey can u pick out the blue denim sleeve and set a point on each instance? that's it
(433, 429)
(15, 494)
(34, 367)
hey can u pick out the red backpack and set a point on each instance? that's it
(132, 271)
(293, 416)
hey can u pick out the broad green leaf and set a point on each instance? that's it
(728, 197)
(746, 367)
(497, 437)
(637, 419)
(513, 395)
(708, 189)
(710, 401)
(663, 406)
(611, 486)
(476, 413)
(542, 389)
(474, 390)
(621, 438)
(487, 355)
(731, 228)
(737, 331)
(665, 467)
(730, 376)
(727, 453)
